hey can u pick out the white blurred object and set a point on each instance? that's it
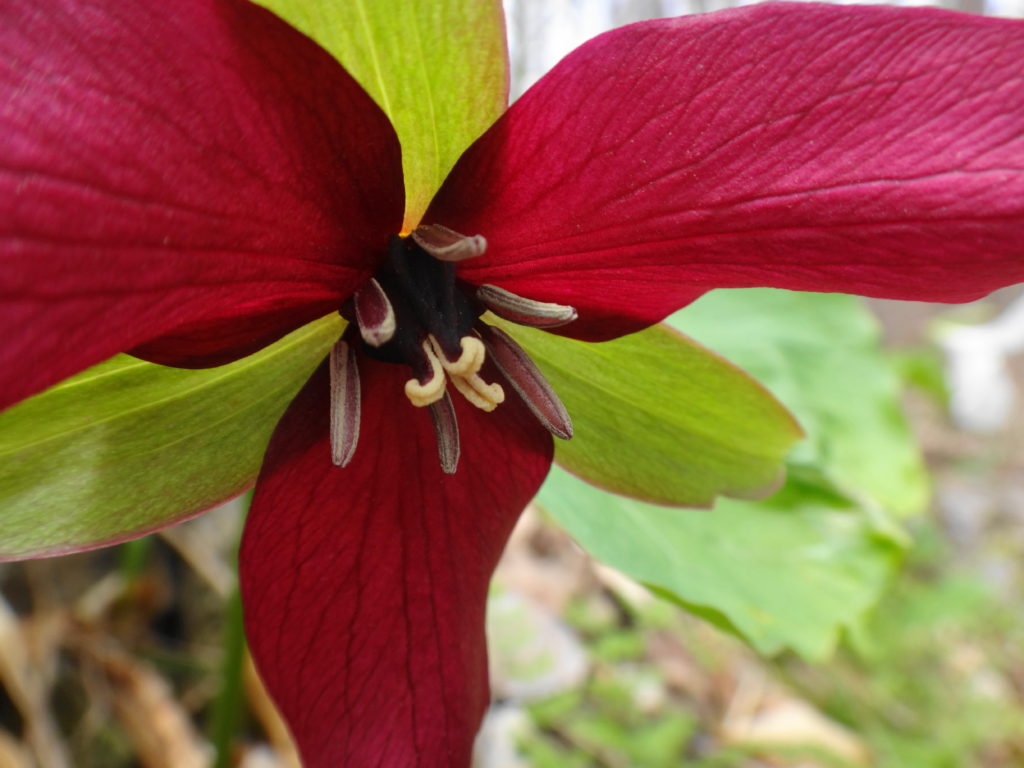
(259, 756)
(533, 655)
(982, 390)
(497, 743)
(1013, 9)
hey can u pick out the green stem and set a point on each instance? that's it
(227, 707)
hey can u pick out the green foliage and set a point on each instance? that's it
(788, 572)
(127, 447)
(438, 69)
(923, 368)
(794, 570)
(601, 725)
(659, 418)
(820, 355)
(936, 688)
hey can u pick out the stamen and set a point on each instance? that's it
(445, 245)
(345, 397)
(522, 311)
(374, 314)
(446, 430)
(526, 379)
(484, 396)
(469, 362)
(430, 391)
(464, 376)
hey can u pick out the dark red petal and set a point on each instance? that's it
(867, 150)
(195, 170)
(365, 587)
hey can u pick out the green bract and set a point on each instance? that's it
(660, 418)
(126, 446)
(438, 70)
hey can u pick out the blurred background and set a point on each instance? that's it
(872, 615)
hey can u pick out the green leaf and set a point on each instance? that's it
(786, 572)
(127, 447)
(795, 570)
(660, 418)
(439, 70)
(820, 355)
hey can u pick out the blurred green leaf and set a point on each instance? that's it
(923, 368)
(127, 446)
(660, 418)
(791, 571)
(133, 557)
(820, 355)
(786, 572)
(438, 69)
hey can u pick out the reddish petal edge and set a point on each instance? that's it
(190, 180)
(867, 150)
(365, 587)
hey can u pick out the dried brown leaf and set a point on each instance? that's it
(144, 704)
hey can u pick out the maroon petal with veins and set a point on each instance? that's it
(365, 587)
(867, 150)
(196, 172)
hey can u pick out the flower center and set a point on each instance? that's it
(416, 312)
(433, 320)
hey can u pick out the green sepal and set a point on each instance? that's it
(660, 418)
(438, 69)
(128, 447)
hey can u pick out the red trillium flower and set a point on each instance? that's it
(190, 181)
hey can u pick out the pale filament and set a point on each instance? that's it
(464, 375)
